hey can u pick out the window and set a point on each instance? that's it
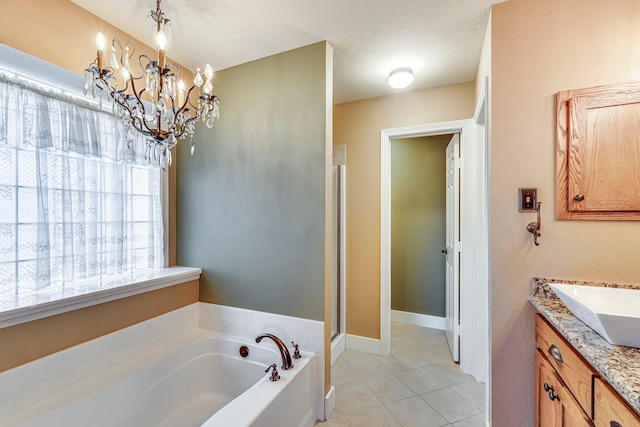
(80, 208)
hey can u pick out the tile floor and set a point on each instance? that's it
(417, 385)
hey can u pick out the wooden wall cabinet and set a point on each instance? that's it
(598, 153)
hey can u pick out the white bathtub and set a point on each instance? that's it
(197, 380)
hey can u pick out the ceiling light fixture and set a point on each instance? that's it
(400, 77)
(161, 109)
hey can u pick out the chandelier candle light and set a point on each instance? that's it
(162, 109)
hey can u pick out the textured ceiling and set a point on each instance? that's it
(440, 39)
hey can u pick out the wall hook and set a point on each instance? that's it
(534, 227)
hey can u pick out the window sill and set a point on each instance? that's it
(18, 312)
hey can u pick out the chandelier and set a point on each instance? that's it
(154, 103)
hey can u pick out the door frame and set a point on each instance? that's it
(469, 301)
(386, 135)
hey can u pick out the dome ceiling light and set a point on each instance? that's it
(400, 77)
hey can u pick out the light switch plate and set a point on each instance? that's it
(527, 198)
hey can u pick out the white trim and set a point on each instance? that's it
(480, 115)
(385, 210)
(417, 319)
(342, 242)
(156, 279)
(41, 71)
(364, 344)
(474, 227)
(338, 345)
(329, 403)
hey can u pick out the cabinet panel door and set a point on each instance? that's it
(598, 153)
(609, 408)
(555, 405)
(573, 370)
(604, 159)
(548, 412)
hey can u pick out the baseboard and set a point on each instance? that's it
(424, 320)
(329, 403)
(338, 344)
(364, 344)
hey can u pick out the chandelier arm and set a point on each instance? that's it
(125, 89)
(139, 102)
(187, 100)
(115, 42)
(143, 68)
(132, 117)
(131, 51)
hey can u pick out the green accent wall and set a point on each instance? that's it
(418, 220)
(251, 200)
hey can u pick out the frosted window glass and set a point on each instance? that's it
(78, 209)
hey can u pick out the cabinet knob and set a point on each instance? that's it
(548, 387)
(578, 197)
(615, 424)
(553, 396)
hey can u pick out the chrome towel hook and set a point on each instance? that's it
(534, 227)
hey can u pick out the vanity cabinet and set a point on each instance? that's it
(611, 411)
(563, 381)
(569, 391)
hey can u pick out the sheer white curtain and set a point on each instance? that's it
(79, 206)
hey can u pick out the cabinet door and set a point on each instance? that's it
(598, 152)
(574, 372)
(610, 411)
(555, 405)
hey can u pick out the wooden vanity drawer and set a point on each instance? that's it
(609, 410)
(576, 373)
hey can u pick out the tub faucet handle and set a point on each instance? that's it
(274, 373)
(296, 352)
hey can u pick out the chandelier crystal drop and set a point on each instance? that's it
(155, 102)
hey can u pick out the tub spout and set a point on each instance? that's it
(284, 351)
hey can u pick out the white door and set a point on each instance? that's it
(452, 249)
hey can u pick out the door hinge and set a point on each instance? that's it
(458, 246)
(458, 162)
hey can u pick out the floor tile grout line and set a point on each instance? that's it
(354, 356)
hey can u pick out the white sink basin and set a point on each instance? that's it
(614, 313)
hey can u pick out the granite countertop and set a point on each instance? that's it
(619, 365)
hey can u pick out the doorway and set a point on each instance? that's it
(418, 224)
(474, 358)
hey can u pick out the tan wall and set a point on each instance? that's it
(357, 125)
(62, 33)
(540, 47)
(29, 341)
(58, 31)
